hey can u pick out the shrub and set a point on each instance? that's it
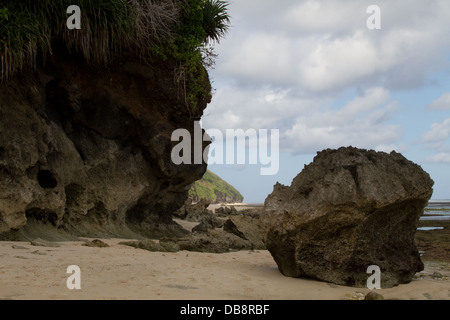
(216, 20)
(202, 22)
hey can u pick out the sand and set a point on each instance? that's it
(123, 272)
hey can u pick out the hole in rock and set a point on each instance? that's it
(164, 186)
(42, 215)
(46, 179)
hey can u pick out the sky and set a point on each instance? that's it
(314, 71)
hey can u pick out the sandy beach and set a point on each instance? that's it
(121, 272)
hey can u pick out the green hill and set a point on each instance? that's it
(213, 188)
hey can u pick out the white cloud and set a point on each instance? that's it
(286, 65)
(325, 45)
(443, 158)
(324, 17)
(443, 103)
(337, 63)
(439, 132)
(437, 140)
(236, 107)
(308, 124)
(360, 123)
(259, 58)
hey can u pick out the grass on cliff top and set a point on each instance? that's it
(30, 28)
(207, 187)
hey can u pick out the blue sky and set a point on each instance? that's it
(313, 70)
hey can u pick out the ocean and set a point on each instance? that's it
(437, 210)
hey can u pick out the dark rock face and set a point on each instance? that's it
(89, 151)
(199, 212)
(248, 228)
(226, 211)
(195, 212)
(213, 241)
(346, 211)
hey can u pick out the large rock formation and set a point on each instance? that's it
(88, 150)
(346, 211)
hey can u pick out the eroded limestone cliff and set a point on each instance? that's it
(87, 151)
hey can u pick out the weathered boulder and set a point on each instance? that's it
(153, 246)
(210, 222)
(202, 227)
(348, 210)
(96, 243)
(211, 241)
(248, 228)
(373, 296)
(197, 212)
(226, 211)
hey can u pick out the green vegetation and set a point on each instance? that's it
(216, 20)
(177, 29)
(4, 13)
(212, 186)
(202, 22)
(35, 27)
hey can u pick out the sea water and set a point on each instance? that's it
(438, 210)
